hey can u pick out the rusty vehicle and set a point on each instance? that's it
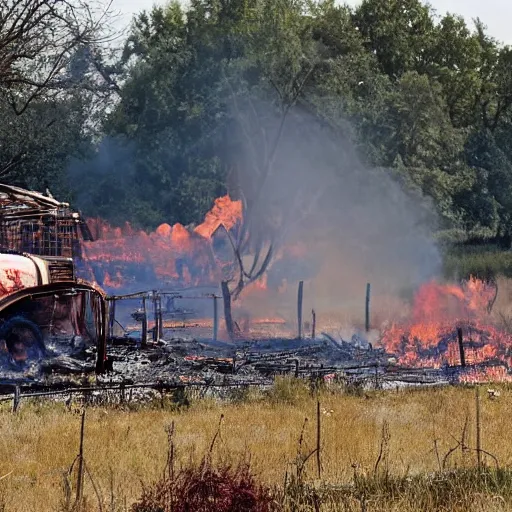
(46, 312)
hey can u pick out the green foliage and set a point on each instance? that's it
(202, 88)
(38, 146)
(288, 390)
(484, 262)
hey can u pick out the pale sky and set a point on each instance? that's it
(496, 14)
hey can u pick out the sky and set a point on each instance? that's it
(496, 14)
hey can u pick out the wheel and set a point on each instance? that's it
(24, 340)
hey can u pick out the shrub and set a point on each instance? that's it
(288, 390)
(484, 262)
(205, 489)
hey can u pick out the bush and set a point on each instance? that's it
(205, 489)
(288, 390)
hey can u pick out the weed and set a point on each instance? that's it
(288, 390)
(206, 487)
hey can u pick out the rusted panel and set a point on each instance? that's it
(61, 311)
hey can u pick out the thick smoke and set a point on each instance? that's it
(336, 223)
(111, 165)
(354, 224)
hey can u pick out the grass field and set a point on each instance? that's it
(413, 431)
(484, 262)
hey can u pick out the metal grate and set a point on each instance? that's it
(39, 224)
(43, 236)
(61, 270)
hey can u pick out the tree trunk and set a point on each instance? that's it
(226, 296)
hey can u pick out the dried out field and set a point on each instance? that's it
(413, 431)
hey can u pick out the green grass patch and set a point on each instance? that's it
(485, 262)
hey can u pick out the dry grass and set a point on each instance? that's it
(124, 448)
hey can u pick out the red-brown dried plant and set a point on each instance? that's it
(205, 488)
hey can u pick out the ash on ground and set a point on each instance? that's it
(203, 361)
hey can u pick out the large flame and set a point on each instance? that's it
(439, 310)
(124, 257)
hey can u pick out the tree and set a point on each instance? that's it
(489, 202)
(399, 32)
(455, 58)
(36, 147)
(49, 87)
(495, 96)
(280, 52)
(39, 41)
(212, 96)
(169, 115)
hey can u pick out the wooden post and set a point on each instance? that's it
(155, 316)
(318, 463)
(228, 318)
(478, 426)
(144, 334)
(16, 399)
(111, 317)
(297, 363)
(215, 318)
(80, 476)
(367, 307)
(313, 324)
(461, 348)
(160, 319)
(300, 295)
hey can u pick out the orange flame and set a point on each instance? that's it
(172, 253)
(430, 337)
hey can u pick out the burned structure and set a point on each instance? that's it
(52, 322)
(47, 314)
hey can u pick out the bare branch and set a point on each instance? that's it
(13, 162)
(38, 41)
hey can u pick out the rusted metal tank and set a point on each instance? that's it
(45, 311)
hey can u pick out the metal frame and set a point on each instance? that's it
(155, 297)
(62, 287)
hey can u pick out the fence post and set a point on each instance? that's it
(318, 432)
(16, 399)
(80, 476)
(367, 307)
(155, 315)
(300, 295)
(111, 317)
(478, 427)
(144, 334)
(215, 318)
(461, 348)
(160, 319)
